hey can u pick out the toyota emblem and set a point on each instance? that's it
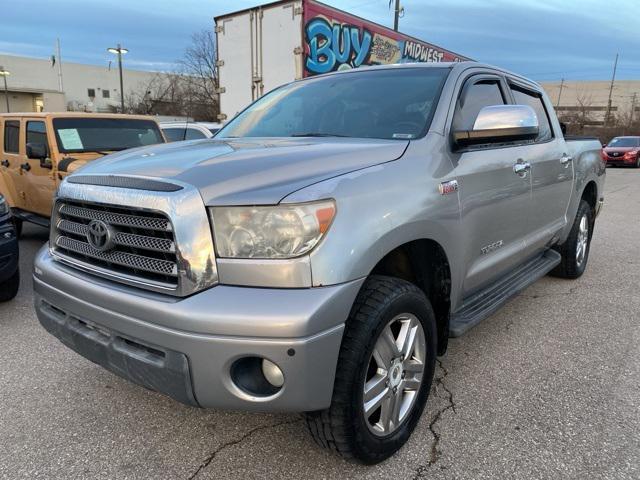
(99, 235)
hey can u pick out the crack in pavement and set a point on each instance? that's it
(451, 405)
(236, 441)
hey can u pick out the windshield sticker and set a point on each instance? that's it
(70, 139)
(404, 136)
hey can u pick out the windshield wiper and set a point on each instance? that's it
(318, 134)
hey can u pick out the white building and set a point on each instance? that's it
(35, 85)
(591, 98)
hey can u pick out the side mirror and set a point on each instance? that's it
(500, 124)
(39, 151)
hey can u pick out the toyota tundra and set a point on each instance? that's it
(317, 254)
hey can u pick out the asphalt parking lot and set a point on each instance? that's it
(549, 387)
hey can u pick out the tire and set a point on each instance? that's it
(574, 261)
(385, 305)
(9, 288)
(637, 165)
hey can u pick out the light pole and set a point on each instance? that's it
(119, 51)
(5, 74)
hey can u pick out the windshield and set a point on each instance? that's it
(623, 142)
(77, 134)
(389, 104)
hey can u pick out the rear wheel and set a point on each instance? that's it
(575, 251)
(638, 161)
(384, 374)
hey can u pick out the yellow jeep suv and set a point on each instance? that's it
(40, 149)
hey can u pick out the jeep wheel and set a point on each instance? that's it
(575, 251)
(9, 288)
(384, 374)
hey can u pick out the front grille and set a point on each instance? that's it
(143, 244)
(615, 154)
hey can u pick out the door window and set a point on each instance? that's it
(193, 134)
(11, 136)
(482, 93)
(174, 134)
(37, 133)
(534, 100)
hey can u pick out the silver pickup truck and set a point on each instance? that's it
(319, 252)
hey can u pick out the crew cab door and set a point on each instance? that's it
(552, 171)
(32, 178)
(494, 200)
(41, 176)
(12, 160)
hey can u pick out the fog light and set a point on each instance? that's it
(272, 373)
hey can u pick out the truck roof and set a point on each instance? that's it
(76, 115)
(451, 65)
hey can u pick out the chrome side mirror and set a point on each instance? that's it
(500, 124)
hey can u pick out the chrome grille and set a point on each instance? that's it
(120, 219)
(143, 242)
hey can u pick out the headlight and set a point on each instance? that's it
(281, 231)
(4, 208)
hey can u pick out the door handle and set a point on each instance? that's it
(565, 160)
(25, 166)
(5, 163)
(521, 168)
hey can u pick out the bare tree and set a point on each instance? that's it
(189, 91)
(199, 71)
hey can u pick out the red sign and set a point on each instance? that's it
(335, 40)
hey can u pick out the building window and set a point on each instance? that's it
(105, 94)
(91, 92)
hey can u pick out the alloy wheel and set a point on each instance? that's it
(582, 241)
(394, 374)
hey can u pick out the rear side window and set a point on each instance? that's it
(193, 134)
(483, 93)
(11, 136)
(174, 134)
(534, 100)
(36, 132)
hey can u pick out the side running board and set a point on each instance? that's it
(483, 304)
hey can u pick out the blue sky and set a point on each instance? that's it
(544, 39)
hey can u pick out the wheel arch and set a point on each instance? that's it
(423, 262)
(590, 195)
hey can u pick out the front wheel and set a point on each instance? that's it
(575, 251)
(9, 288)
(384, 374)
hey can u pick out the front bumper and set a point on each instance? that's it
(8, 251)
(184, 347)
(620, 161)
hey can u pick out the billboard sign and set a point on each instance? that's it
(335, 40)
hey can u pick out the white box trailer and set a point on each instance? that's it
(264, 47)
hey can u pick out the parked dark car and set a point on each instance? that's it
(9, 272)
(622, 151)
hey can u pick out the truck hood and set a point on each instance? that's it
(249, 170)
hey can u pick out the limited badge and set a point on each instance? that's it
(445, 188)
